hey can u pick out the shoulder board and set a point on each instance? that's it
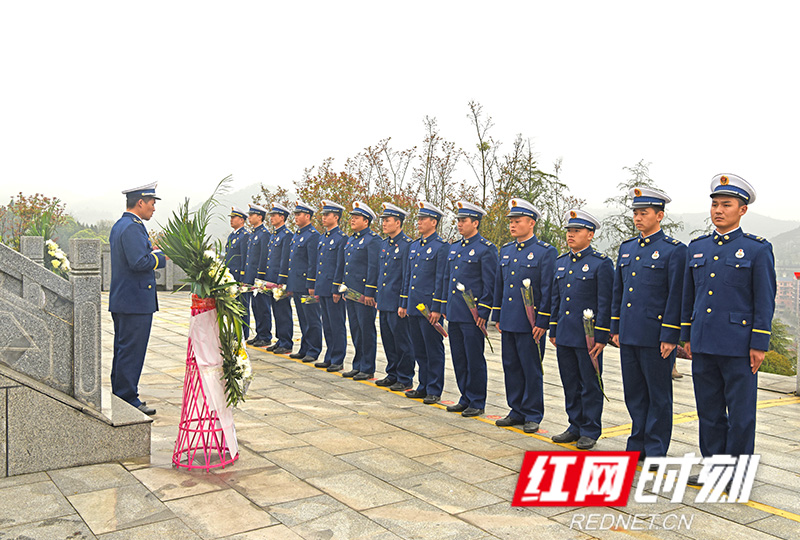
(756, 238)
(701, 237)
(670, 240)
(631, 239)
(599, 255)
(542, 243)
(562, 255)
(485, 242)
(508, 244)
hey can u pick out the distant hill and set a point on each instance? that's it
(786, 247)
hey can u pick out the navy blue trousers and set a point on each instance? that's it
(245, 299)
(365, 337)
(282, 311)
(333, 328)
(308, 315)
(263, 316)
(466, 350)
(582, 396)
(397, 346)
(131, 334)
(647, 381)
(725, 389)
(428, 347)
(523, 375)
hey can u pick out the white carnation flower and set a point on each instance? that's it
(588, 314)
(460, 286)
(526, 282)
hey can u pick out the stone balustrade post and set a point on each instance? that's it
(86, 279)
(33, 248)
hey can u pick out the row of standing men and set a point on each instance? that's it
(660, 292)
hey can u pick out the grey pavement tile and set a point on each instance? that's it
(445, 492)
(358, 490)
(264, 406)
(247, 460)
(778, 526)
(174, 483)
(508, 522)
(383, 412)
(419, 520)
(91, 478)
(336, 441)
(343, 525)
(463, 466)
(700, 523)
(27, 503)
(270, 486)
(203, 514)
(479, 445)
(69, 527)
(117, 508)
(32, 478)
(361, 424)
(172, 529)
(406, 443)
(431, 427)
(294, 423)
(275, 532)
(267, 438)
(385, 464)
(777, 497)
(502, 487)
(318, 408)
(308, 461)
(293, 513)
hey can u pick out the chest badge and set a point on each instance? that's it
(234, 241)
(331, 241)
(626, 255)
(397, 249)
(429, 250)
(585, 268)
(361, 242)
(301, 239)
(255, 238)
(471, 252)
(530, 256)
(655, 255)
(739, 254)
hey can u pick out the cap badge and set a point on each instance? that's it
(513, 202)
(739, 254)
(421, 205)
(637, 192)
(655, 255)
(572, 214)
(724, 180)
(585, 268)
(530, 256)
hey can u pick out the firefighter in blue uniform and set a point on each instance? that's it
(132, 299)
(584, 279)
(330, 276)
(422, 284)
(526, 258)
(361, 274)
(301, 280)
(236, 253)
(645, 322)
(471, 265)
(256, 269)
(392, 266)
(728, 303)
(277, 271)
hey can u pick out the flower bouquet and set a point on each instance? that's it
(588, 329)
(422, 308)
(309, 299)
(58, 261)
(278, 292)
(472, 304)
(530, 312)
(351, 295)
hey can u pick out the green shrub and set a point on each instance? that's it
(775, 362)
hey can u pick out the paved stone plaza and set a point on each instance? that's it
(329, 458)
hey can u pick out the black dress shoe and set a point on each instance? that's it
(386, 381)
(297, 355)
(430, 400)
(272, 347)
(509, 421)
(566, 437)
(694, 480)
(307, 359)
(471, 411)
(456, 407)
(351, 373)
(149, 411)
(334, 367)
(585, 443)
(361, 376)
(250, 341)
(415, 394)
(400, 387)
(260, 343)
(322, 364)
(530, 427)
(281, 350)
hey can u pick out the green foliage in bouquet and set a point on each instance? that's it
(186, 242)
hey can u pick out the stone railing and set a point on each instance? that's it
(50, 326)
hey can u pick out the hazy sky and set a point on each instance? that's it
(101, 96)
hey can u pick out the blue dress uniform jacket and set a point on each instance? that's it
(392, 267)
(236, 252)
(303, 276)
(330, 275)
(583, 280)
(256, 262)
(645, 311)
(473, 263)
(648, 289)
(532, 259)
(133, 265)
(729, 294)
(728, 303)
(361, 274)
(277, 271)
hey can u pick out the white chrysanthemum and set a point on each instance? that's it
(342, 288)
(460, 286)
(526, 282)
(588, 314)
(210, 254)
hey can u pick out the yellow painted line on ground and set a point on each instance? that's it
(156, 317)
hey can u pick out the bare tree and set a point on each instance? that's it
(484, 161)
